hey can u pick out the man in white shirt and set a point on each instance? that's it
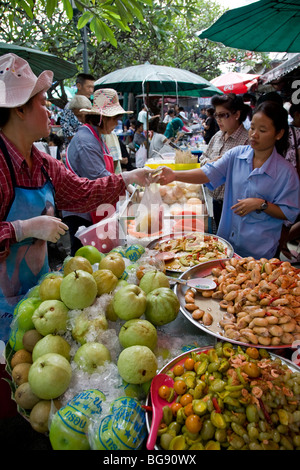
(142, 117)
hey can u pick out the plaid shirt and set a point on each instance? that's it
(218, 146)
(71, 192)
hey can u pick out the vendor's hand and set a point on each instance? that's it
(43, 227)
(141, 176)
(244, 206)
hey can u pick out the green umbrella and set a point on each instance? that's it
(265, 26)
(157, 80)
(40, 61)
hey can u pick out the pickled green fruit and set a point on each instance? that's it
(165, 440)
(202, 367)
(174, 428)
(199, 407)
(212, 445)
(190, 381)
(198, 390)
(217, 385)
(178, 443)
(283, 417)
(196, 446)
(221, 435)
(218, 420)
(237, 442)
(167, 415)
(180, 416)
(208, 430)
(252, 414)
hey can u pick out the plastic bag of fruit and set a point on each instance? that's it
(149, 216)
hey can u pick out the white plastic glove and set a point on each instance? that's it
(43, 227)
(141, 176)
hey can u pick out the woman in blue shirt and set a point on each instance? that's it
(262, 188)
(173, 127)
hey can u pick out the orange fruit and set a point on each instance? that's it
(193, 423)
(188, 409)
(189, 363)
(175, 407)
(164, 392)
(186, 398)
(180, 387)
(178, 369)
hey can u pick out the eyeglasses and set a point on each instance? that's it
(222, 115)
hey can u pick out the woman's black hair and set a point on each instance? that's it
(233, 103)
(96, 119)
(4, 116)
(279, 116)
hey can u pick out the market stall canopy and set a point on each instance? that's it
(40, 61)
(157, 80)
(265, 26)
(282, 70)
(234, 82)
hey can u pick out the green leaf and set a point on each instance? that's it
(50, 7)
(135, 9)
(102, 31)
(68, 9)
(126, 16)
(84, 19)
(27, 8)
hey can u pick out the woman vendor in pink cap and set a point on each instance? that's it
(32, 184)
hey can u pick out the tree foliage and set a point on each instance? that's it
(122, 33)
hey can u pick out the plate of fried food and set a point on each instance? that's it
(256, 302)
(181, 252)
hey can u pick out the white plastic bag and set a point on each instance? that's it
(149, 216)
(141, 157)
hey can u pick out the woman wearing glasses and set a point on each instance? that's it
(230, 113)
(262, 188)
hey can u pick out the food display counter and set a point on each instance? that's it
(88, 342)
(105, 405)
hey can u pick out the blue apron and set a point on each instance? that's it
(27, 260)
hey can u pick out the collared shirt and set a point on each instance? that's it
(218, 145)
(276, 181)
(71, 192)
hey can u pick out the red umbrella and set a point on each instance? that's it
(234, 82)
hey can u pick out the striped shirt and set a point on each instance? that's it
(71, 192)
(218, 145)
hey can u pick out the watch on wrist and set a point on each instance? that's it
(263, 207)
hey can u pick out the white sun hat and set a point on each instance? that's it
(106, 103)
(18, 83)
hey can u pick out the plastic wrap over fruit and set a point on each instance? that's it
(134, 252)
(123, 428)
(69, 425)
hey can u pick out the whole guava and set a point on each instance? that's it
(78, 290)
(49, 376)
(138, 332)
(152, 280)
(129, 302)
(137, 364)
(162, 306)
(106, 281)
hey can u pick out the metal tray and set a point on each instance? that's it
(210, 305)
(152, 244)
(181, 357)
